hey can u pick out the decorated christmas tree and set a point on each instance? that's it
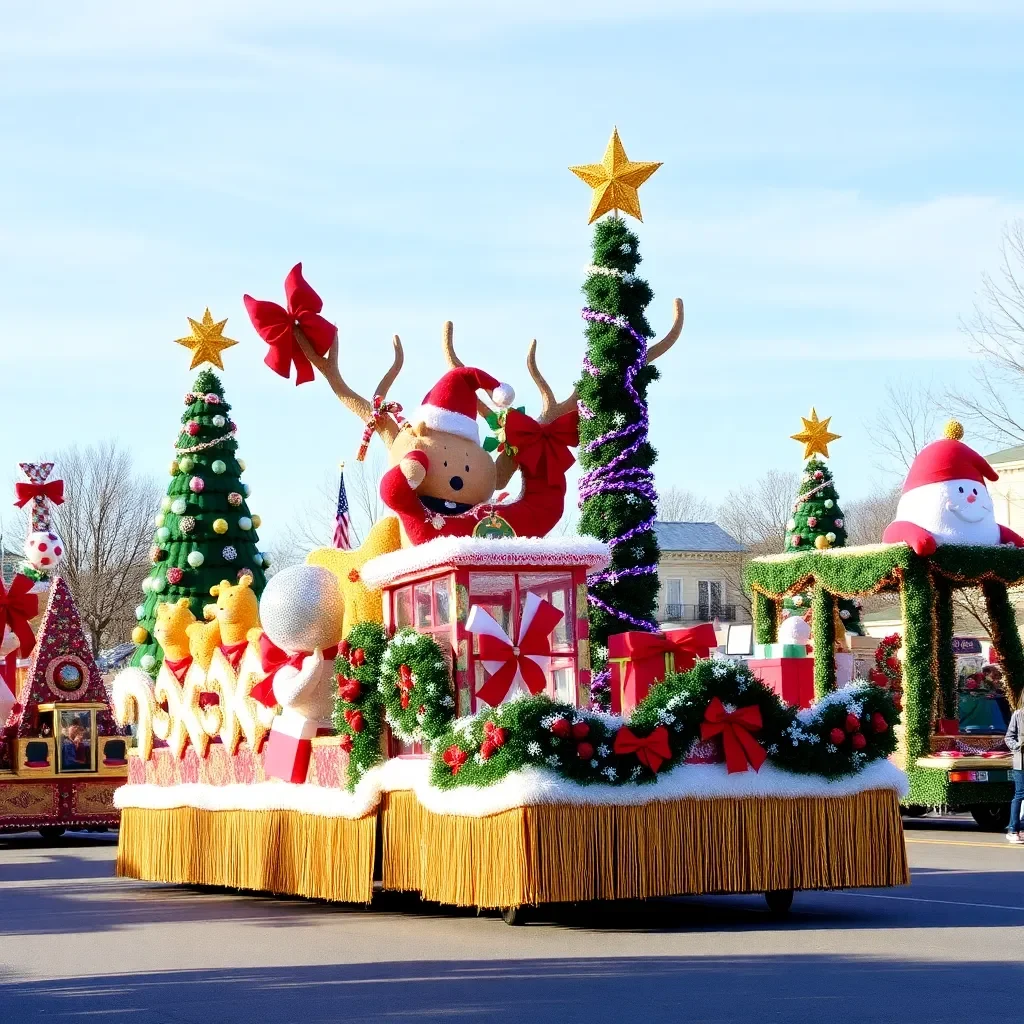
(205, 532)
(617, 497)
(817, 521)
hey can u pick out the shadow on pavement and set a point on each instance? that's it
(711, 990)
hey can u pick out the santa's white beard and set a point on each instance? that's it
(944, 511)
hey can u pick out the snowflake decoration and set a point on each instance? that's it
(553, 760)
(533, 748)
(603, 750)
(611, 774)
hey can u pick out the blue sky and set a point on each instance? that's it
(836, 178)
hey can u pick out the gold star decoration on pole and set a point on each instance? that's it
(815, 437)
(207, 341)
(615, 181)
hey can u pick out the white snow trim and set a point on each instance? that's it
(486, 551)
(856, 549)
(447, 421)
(527, 788)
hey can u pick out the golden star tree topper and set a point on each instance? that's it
(207, 341)
(615, 180)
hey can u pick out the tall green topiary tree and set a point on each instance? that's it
(205, 532)
(818, 523)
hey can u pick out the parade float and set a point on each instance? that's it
(427, 712)
(945, 538)
(61, 754)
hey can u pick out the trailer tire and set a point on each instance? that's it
(914, 811)
(779, 901)
(513, 915)
(991, 817)
(51, 832)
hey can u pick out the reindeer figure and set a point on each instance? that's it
(442, 481)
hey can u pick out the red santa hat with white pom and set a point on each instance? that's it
(450, 405)
(948, 459)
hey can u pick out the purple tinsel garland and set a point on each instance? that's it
(609, 478)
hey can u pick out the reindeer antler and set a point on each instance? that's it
(354, 402)
(448, 344)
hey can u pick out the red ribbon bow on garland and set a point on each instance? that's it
(526, 659)
(53, 490)
(380, 409)
(276, 326)
(735, 728)
(405, 683)
(653, 750)
(18, 606)
(455, 758)
(273, 659)
(543, 448)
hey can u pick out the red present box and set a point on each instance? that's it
(639, 660)
(288, 750)
(791, 678)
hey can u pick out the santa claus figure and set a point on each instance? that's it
(945, 500)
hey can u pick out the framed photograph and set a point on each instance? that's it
(741, 640)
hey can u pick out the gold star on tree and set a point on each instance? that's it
(815, 436)
(615, 181)
(206, 341)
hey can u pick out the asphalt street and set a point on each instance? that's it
(76, 943)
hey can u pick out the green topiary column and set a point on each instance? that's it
(944, 657)
(205, 532)
(823, 635)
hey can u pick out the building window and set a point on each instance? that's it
(709, 600)
(673, 608)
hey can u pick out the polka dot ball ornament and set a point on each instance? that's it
(192, 428)
(235, 499)
(228, 553)
(175, 575)
(187, 524)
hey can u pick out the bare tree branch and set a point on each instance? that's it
(908, 421)
(867, 518)
(678, 505)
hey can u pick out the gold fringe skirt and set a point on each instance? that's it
(529, 855)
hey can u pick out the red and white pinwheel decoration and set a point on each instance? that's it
(520, 667)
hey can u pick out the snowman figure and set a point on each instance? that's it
(301, 612)
(945, 500)
(795, 630)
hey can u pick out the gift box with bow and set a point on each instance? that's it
(639, 660)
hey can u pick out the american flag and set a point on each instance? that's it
(342, 523)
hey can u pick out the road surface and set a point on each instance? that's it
(77, 944)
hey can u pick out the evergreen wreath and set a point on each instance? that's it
(888, 673)
(837, 737)
(358, 714)
(415, 686)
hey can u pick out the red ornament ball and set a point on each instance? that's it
(859, 741)
(852, 723)
(561, 728)
(196, 485)
(818, 475)
(795, 540)
(837, 736)
(812, 521)
(580, 730)
(192, 428)
(585, 751)
(174, 575)
(878, 722)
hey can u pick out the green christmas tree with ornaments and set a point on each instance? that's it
(817, 521)
(204, 531)
(618, 500)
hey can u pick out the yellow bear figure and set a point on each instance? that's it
(361, 603)
(172, 621)
(234, 615)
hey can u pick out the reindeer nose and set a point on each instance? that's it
(971, 499)
(455, 483)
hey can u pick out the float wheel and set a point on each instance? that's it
(512, 915)
(51, 832)
(779, 901)
(991, 817)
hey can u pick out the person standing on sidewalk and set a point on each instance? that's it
(1014, 740)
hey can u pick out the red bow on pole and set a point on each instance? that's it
(18, 606)
(276, 326)
(525, 659)
(544, 447)
(653, 750)
(53, 490)
(273, 659)
(735, 728)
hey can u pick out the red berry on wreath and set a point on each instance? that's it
(358, 657)
(344, 648)
(852, 723)
(560, 727)
(859, 741)
(404, 701)
(585, 751)
(878, 722)
(580, 730)
(837, 736)
(355, 720)
(487, 750)
(349, 689)
(495, 734)
(893, 664)
(454, 757)
(345, 743)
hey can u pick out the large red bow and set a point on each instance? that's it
(516, 659)
(25, 492)
(18, 606)
(276, 326)
(273, 659)
(544, 447)
(735, 728)
(653, 750)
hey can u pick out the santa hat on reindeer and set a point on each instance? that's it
(450, 405)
